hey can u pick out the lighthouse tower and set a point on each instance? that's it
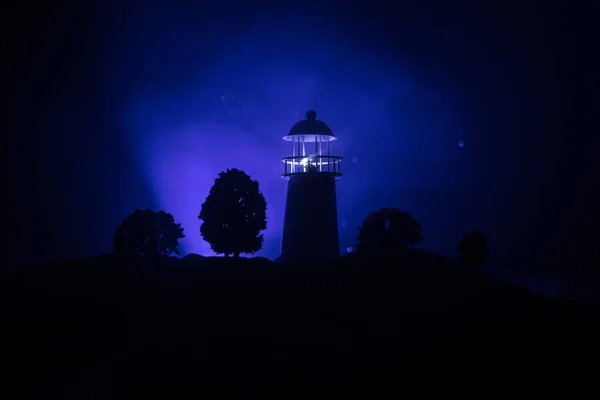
(310, 228)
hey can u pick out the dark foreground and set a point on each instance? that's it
(112, 327)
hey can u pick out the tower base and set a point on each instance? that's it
(310, 228)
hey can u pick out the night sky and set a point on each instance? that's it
(117, 106)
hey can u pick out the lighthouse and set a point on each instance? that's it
(310, 227)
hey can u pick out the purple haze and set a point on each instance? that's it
(235, 108)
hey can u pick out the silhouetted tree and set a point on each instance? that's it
(234, 214)
(472, 249)
(148, 233)
(388, 230)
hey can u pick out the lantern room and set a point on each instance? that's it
(311, 140)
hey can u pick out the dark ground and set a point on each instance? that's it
(115, 327)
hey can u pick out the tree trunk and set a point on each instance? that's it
(226, 255)
(236, 255)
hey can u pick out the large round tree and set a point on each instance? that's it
(388, 230)
(234, 214)
(148, 233)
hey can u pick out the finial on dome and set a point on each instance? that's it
(311, 115)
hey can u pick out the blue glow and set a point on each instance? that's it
(162, 98)
(234, 113)
(190, 107)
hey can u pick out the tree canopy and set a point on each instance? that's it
(388, 230)
(234, 214)
(472, 249)
(148, 233)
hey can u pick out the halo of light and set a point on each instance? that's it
(349, 249)
(461, 143)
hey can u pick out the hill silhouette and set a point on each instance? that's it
(123, 326)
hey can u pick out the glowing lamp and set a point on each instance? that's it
(310, 229)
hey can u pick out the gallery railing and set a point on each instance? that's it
(313, 164)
